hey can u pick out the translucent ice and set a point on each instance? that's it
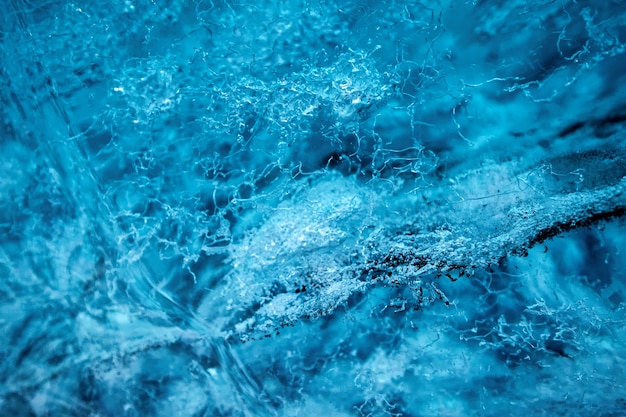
(312, 208)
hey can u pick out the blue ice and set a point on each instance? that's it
(307, 208)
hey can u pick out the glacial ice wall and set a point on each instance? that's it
(391, 208)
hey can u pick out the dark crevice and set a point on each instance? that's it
(559, 228)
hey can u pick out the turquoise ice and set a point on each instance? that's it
(391, 208)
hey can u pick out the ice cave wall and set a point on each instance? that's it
(294, 208)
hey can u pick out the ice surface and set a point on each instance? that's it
(387, 208)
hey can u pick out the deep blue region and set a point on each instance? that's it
(310, 208)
